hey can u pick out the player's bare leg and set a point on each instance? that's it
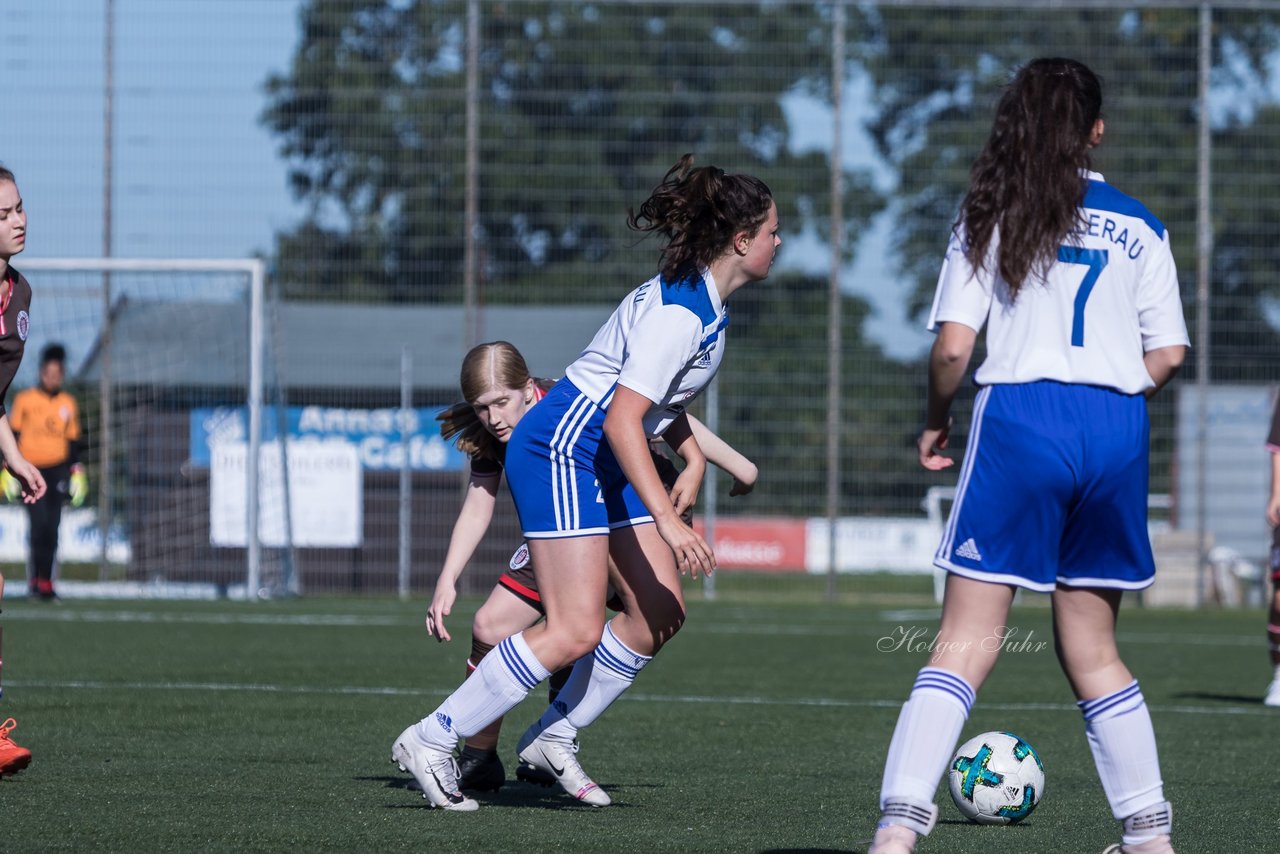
(964, 652)
(1117, 722)
(573, 592)
(1273, 641)
(649, 587)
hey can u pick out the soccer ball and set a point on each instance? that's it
(996, 778)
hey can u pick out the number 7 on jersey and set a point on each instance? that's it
(1095, 260)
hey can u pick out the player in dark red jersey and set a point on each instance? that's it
(497, 390)
(1273, 517)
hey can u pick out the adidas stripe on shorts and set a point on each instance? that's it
(1047, 463)
(563, 475)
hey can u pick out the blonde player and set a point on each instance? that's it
(1076, 288)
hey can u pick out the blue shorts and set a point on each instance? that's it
(1053, 490)
(563, 475)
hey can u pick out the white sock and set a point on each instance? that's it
(1118, 727)
(503, 678)
(925, 736)
(597, 680)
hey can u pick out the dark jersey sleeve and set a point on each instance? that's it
(14, 324)
(485, 467)
(667, 473)
(1273, 438)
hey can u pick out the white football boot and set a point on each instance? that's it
(1273, 692)
(435, 770)
(901, 825)
(559, 759)
(1157, 820)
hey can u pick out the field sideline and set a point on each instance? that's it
(217, 726)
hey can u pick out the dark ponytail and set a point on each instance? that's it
(699, 211)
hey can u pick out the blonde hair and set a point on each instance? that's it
(497, 364)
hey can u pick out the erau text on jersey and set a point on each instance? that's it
(1108, 229)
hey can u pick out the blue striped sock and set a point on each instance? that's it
(928, 728)
(504, 677)
(598, 679)
(1123, 742)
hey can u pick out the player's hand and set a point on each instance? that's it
(1273, 511)
(931, 443)
(692, 553)
(9, 483)
(740, 488)
(78, 489)
(30, 481)
(441, 606)
(684, 493)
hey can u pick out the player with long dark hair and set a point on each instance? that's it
(1075, 285)
(586, 488)
(497, 391)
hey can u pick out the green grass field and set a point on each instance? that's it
(763, 727)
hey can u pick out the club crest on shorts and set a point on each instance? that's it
(520, 559)
(24, 325)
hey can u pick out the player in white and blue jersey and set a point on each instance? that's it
(586, 488)
(1075, 286)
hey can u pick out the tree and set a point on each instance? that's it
(936, 103)
(583, 107)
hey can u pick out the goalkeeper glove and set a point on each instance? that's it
(79, 487)
(11, 486)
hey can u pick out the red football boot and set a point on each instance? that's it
(12, 757)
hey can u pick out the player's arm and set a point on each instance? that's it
(624, 428)
(1273, 504)
(29, 476)
(948, 361)
(473, 521)
(726, 458)
(1162, 363)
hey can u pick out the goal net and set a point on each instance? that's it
(152, 346)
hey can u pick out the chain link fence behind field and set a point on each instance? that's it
(463, 172)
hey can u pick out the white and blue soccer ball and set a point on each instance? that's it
(996, 778)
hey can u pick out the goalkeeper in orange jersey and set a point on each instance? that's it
(46, 422)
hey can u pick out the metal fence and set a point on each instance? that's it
(455, 160)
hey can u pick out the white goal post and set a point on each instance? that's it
(255, 270)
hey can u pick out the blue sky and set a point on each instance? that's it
(196, 173)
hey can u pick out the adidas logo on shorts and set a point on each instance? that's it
(969, 549)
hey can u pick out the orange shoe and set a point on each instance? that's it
(12, 757)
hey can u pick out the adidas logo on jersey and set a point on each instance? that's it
(969, 549)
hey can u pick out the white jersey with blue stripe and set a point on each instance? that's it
(664, 341)
(1111, 296)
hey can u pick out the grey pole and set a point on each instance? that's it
(1204, 258)
(834, 303)
(104, 357)
(710, 498)
(406, 471)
